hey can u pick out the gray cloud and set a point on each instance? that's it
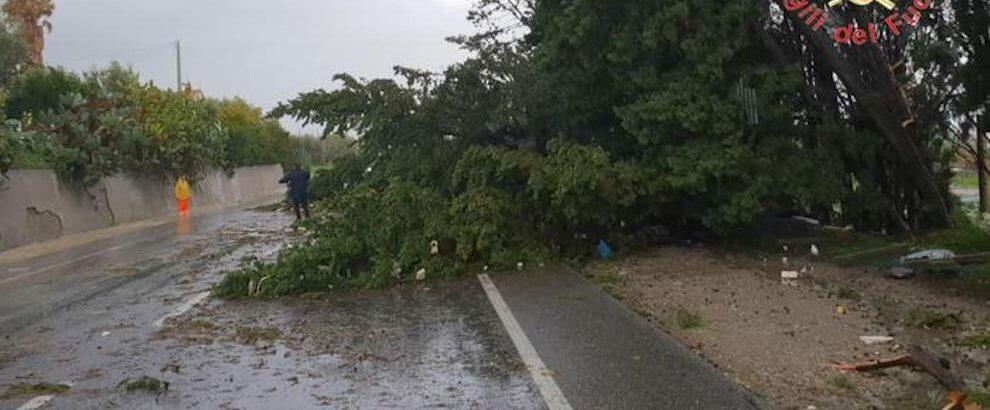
(262, 50)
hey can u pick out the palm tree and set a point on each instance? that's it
(31, 17)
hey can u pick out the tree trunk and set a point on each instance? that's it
(981, 165)
(881, 99)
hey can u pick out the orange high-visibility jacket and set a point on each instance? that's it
(182, 190)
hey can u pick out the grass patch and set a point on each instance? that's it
(688, 320)
(36, 389)
(976, 341)
(980, 398)
(842, 382)
(967, 180)
(854, 248)
(145, 384)
(604, 278)
(847, 293)
(930, 319)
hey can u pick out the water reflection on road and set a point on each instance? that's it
(88, 316)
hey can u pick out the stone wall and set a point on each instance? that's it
(35, 206)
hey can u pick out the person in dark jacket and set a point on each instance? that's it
(298, 181)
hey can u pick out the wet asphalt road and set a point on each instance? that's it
(87, 317)
(98, 314)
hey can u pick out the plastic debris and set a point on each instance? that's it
(876, 340)
(105, 334)
(519, 266)
(900, 272)
(929, 255)
(805, 219)
(815, 251)
(840, 310)
(434, 247)
(604, 251)
(789, 274)
(421, 274)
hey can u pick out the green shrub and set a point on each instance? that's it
(44, 90)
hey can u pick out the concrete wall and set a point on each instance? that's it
(35, 206)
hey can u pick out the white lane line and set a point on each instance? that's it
(36, 402)
(541, 375)
(184, 308)
(63, 263)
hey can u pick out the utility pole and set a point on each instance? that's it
(178, 66)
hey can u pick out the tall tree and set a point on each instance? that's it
(12, 56)
(31, 17)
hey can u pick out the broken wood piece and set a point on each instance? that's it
(904, 360)
(940, 368)
(937, 367)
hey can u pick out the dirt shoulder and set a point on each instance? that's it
(778, 339)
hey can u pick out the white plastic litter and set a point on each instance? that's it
(789, 274)
(815, 251)
(931, 254)
(805, 219)
(876, 340)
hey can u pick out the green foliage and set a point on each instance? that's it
(27, 389)
(252, 139)
(608, 121)
(45, 91)
(848, 293)
(7, 148)
(13, 55)
(930, 319)
(981, 341)
(185, 136)
(145, 384)
(82, 141)
(106, 121)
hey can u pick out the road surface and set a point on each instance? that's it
(94, 316)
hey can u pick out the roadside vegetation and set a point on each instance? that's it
(543, 146)
(108, 121)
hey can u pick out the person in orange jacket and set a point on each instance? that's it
(182, 195)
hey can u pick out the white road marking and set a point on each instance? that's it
(541, 375)
(184, 308)
(36, 402)
(60, 264)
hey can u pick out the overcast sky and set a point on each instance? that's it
(265, 51)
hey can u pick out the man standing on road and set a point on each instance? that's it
(298, 180)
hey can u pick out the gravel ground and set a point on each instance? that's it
(779, 338)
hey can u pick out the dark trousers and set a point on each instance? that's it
(301, 208)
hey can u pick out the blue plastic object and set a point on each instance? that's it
(604, 250)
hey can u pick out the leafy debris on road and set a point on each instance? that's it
(33, 389)
(144, 383)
